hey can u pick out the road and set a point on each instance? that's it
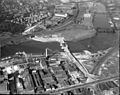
(81, 67)
(104, 59)
(73, 87)
(26, 32)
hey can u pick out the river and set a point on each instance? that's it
(99, 42)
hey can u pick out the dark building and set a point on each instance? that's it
(12, 86)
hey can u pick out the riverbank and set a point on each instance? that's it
(101, 41)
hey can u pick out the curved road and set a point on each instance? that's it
(113, 50)
(104, 59)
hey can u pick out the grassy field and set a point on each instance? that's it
(78, 33)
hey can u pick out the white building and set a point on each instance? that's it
(87, 15)
(116, 18)
(65, 1)
(61, 15)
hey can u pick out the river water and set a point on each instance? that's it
(99, 42)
